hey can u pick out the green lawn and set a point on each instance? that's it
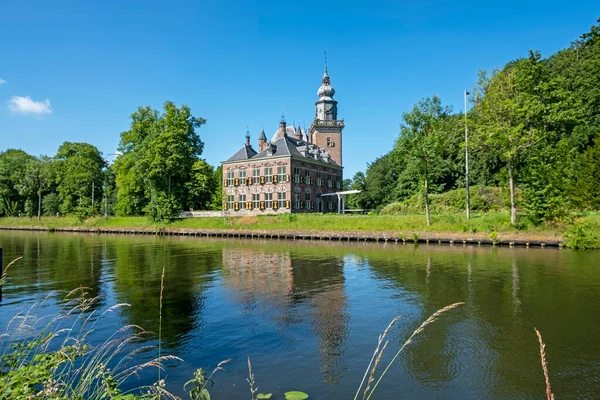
(484, 223)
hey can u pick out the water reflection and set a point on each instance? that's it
(309, 313)
(282, 281)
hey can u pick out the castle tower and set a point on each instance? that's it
(326, 129)
(262, 141)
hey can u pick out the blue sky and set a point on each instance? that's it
(80, 68)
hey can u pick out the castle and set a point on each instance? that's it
(294, 172)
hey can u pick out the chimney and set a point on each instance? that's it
(281, 131)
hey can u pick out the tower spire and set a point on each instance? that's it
(325, 61)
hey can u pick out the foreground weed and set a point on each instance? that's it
(200, 381)
(549, 394)
(50, 357)
(293, 395)
(379, 351)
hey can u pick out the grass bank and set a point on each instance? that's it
(492, 223)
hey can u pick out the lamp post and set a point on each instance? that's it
(467, 158)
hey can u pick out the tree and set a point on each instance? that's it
(39, 177)
(586, 186)
(423, 141)
(502, 113)
(79, 177)
(202, 186)
(155, 171)
(13, 189)
(379, 183)
(217, 197)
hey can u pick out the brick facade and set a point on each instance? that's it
(279, 186)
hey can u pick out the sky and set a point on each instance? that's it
(76, 70)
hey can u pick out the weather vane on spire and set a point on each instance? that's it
(282, 115)
(247, 131)
(325, 61)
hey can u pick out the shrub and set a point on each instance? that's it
(581, 236)
(481, 199)
(51, 204)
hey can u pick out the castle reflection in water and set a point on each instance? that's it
(284, 280)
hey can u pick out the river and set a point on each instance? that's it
(308, 314)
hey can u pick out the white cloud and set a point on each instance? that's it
(25, 105)
(2, 82)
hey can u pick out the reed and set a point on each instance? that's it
(549, 394)
(434, 317)
(51, 357)
(160, 304)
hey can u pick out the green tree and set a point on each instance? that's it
(217, 197)
(39, 178)
(79, 178)
(423, 141)
(503, 115)
(202, 186)
(14, 191)
(586, 185)
(379, 183)
(132, 193)
(155, 171)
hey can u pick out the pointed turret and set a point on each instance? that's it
(262, 141)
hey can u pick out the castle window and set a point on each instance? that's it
(230, 199)
(330, 143)
(296, 174)
(329, 183)
(319, 179)
(230, 178)
(269, 200)
(307, 204)
(269, 175)
(242, 199)
(281, 171)
(256, 176)
(255, 199)
(281, 197)
(296, 200)
(242, 175)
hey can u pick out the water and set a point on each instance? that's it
(309, 314)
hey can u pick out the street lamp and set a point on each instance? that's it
(467, 158)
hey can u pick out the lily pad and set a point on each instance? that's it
(264, 395)
(295, 396)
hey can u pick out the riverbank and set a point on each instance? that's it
(489, 228)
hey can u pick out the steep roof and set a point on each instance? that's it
(245, 153)
(291, 146)
(281, 147)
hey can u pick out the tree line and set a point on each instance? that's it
(534, 130)
(158, 172)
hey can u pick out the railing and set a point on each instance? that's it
(337, 122)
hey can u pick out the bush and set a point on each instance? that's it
(51, 204)
(162, 208)
(482, 199)
(581, 236)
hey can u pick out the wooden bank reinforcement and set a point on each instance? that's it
(341, 236)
